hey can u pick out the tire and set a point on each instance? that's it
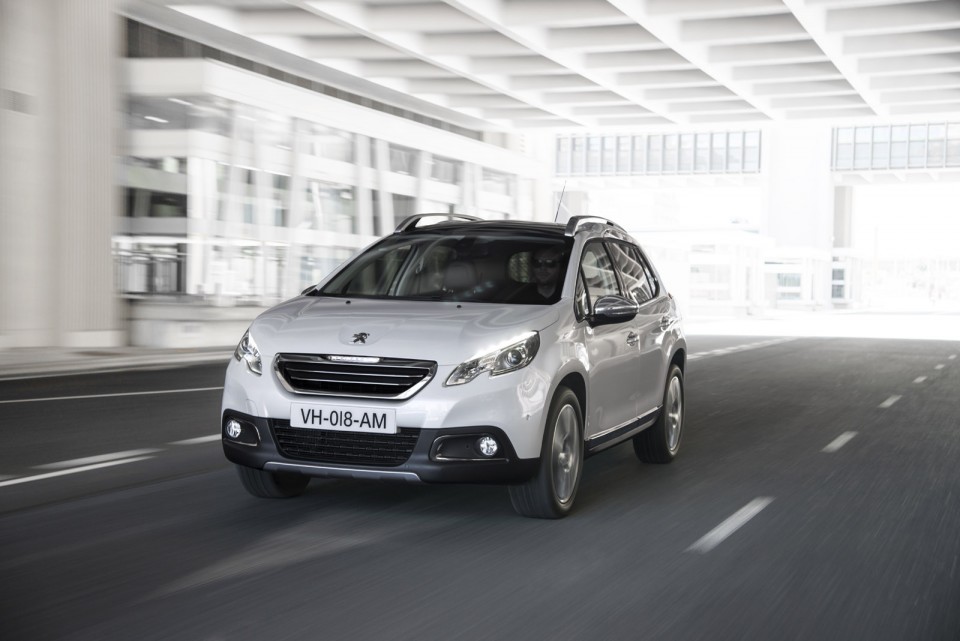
(660, 443)
(271, 485)
(550, 494)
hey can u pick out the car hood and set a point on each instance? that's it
(446, 332)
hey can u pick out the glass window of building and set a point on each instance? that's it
(334, 144)
(735, 151)
(701, 163)
(639, 165)
(209, 114)
(403, 206)
(331, 206)
(279, 197)
(898, 146)
(563, 155)
(671, 148)
(843, 148)
(624, 151)
(579, 157)
(403, 160)
(918, 146)
(248, 197)
(276, 130)
(718, 153)
(655, 154)
(881, 148)
(686, 153)
(751, 151)
(594, 148)
(609, 162)
(936, 145)
(498, 183)
(446, 170)
(953, 145)
(862, 143)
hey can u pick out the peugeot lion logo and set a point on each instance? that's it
(360, 337)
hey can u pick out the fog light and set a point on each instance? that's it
(487, 445)
(234, 429)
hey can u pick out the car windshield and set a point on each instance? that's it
(475, 267)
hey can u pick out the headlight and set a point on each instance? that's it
(507, 359)
(247, 351)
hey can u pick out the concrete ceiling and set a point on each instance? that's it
(628, 63)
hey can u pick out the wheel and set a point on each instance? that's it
(550, 494)
(271, 485)
(661, 442)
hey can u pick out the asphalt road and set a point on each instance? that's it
(815, 497)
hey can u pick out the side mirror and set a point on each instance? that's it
(610, 310)
(308, 290)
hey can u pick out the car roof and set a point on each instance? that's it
(491, 227)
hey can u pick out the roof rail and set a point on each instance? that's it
(411, 221)
(576, 222)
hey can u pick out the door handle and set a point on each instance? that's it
(633, 338)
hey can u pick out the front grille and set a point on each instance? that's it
(327, 376)
(344, 447)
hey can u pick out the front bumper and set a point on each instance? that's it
(435, 455)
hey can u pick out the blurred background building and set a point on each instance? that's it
(168, 170)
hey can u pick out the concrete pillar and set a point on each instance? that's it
(843, 217)
(58, 154)
(800, 192)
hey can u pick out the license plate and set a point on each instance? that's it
(343, 419)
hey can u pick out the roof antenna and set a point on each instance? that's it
(560, 202)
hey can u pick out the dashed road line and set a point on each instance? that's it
(98, 461)
(951, 357)
(919, 379)
(89, 460)
(75, 470)
(890, 401)
(839, 442)
(938, 366)
(149, 393)
(199, 439)
(717, 535)
(739, 348)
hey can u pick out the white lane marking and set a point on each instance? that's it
(739, 348)
(919, 379)
(199, 439)
(890, 401)
(88, 460)
(71, 398)
(938, 366)
(716, 536)
(86, 468)
(286, 548)
(839, 442)
(951, 357)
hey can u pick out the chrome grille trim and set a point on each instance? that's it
(389, 378)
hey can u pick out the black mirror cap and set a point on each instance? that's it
(309, 290)
(610, 310)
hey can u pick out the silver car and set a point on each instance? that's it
(463, 351)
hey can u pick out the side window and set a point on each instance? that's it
(597, 271)
(631, 267)
(651, 277)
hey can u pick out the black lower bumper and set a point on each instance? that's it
(437, 456)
